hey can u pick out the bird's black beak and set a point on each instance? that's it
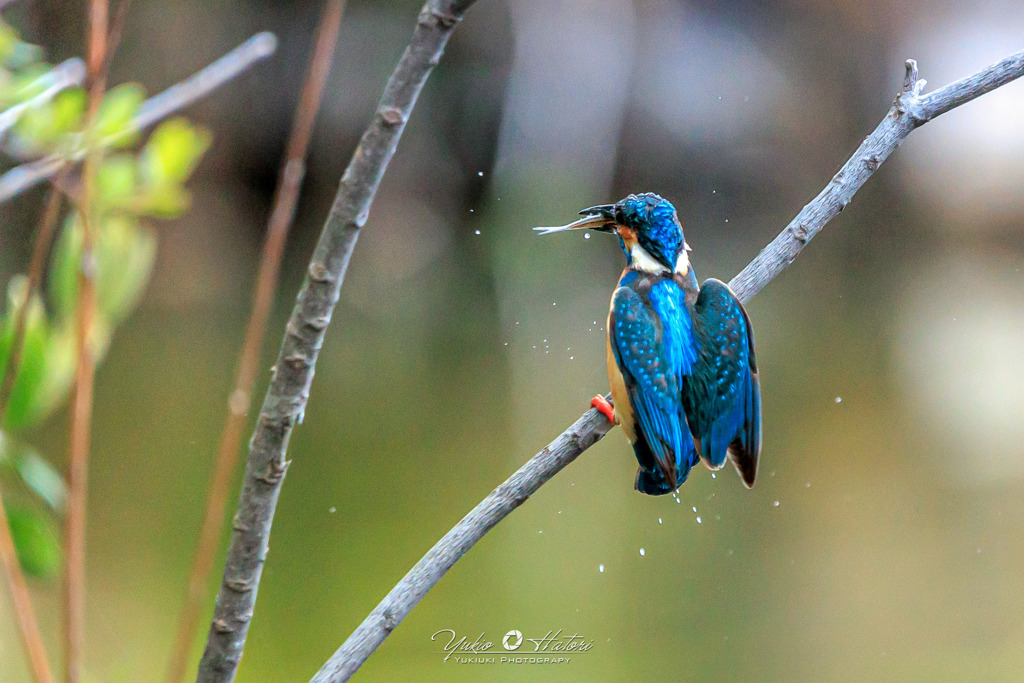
(600, 218)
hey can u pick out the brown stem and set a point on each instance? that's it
(81, 414)
(282, 214)
(114, 36)
(36, 266)
(27, 625)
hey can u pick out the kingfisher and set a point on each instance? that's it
(680, 356)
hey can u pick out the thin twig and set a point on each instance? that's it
(85, 372)
(286, 397)
(178, 96)
(36, 266)
(116, 32)
(27, 625)
(286, 198)
(909, 111)
(66, 74)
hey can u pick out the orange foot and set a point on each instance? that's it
(604, 407)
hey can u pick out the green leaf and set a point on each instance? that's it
(172, 152)
(166, 201)
(69, 110)
(49, 126)
(44, 481)
(35, 541)
(63, 276)
(33, 353)
(124, 255)
(8, 40)
(115, 182)
(118, 108)
(34, 471)
(58, 373)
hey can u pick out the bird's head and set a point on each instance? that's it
(648, 229)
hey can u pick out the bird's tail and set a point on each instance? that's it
(651, 478)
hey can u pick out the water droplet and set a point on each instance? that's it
(600, 568)
(642, 552)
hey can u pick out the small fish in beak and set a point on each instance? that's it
(600, 218)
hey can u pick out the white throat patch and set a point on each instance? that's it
(640, 259)
(683, 263)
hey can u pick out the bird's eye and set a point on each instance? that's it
(620, 215)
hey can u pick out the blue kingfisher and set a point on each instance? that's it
(680, 356)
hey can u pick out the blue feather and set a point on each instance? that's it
(722, 395)
(653, 343)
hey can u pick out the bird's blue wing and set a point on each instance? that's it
(722, 395)
(648, 342)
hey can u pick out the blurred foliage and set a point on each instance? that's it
(130, 187)
(38, 495)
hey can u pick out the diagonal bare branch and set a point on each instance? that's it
(910, 110)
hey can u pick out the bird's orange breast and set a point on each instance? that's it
(620, 397)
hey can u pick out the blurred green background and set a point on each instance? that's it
(882, 541)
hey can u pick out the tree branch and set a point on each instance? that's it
(293, 170)
(292, 375)
(178, 96)
(910, 110)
